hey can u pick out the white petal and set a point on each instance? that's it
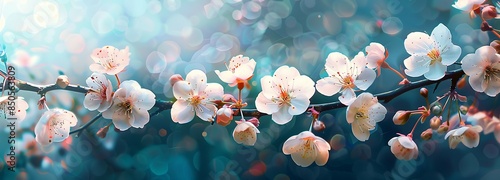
(451, 55)
(471, 139)
(245, 71)
(108, 114)
(303, 85)
(182, 112)
(21, 106)
(392, 140)
(365, 79)
(282, 116)
(121, 120)
(449, 133)
(265, 105)
(347, 97)
(328, 86)
(283, 76)
(291, 145)
(130, 85)
(214, 91)
(306, 156)
(244, 133)
(336, 63)
(182, 90)
(226, 76)
(359, 131)
(471, 62)
(418, 43)
(476, 82)
(377, 112)
(269, 88)
(416, 65)
(197, 79)
(323, 153)
(141, 118)
(104, 105)
(97, 68)
(493, 87)
(299, 105)
(144, 99)
(96, 81)
(436, 72)
(92, 101)
(460, 131)
(205, 112)
(442, 36)
(407, 142)
(358, 63)
(43, 132)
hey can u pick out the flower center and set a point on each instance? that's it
(126, 107)
(361, 114)
(435, 56)
(348, 82)
(491, 73)
(196, 100)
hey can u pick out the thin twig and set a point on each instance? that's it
(86, 125)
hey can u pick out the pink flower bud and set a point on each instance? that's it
(426, 135)
(41, 103)
(424, 92)
(443, 128)
(175, 78)
(102, 132)
(228, 98)
(401, 117)
(255, 121)
(404, 82)
(224, 116)
(489, 12)
(319, 126)
(435, 122)
(62, 81)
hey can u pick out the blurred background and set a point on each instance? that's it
(50, 37)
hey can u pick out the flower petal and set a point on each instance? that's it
(436, 72)
(365, 78)
(406, 142)
(306, 156)
(451, 55)
(337, 63)
(302, 85)
(182, 90)
(284, 75)
(328, 86)
(265, 105)
(416, 65)
(377, 112)
(205, 112)
(299, 105)
(244, 133)
(359, 131)
(144, 99)
(182, 112)
(226, 76)
(282, 116)
(348, 96)
(269, 88)
(291, 145)
(322, 148)
(141, 118)
(121, 120)
(197, 79)
(214, 91)
(418, 43)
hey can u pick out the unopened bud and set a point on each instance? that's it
(436, 108)
(255, 121)
(443, 128)
(175, 78)
(224, 116)
(102, 132)
(41, 103)
(62, 81)
(489, 12)
(463, 109)
(319, 126)
(228, 98)
(401, 117)
(404, 82)
(435, 122)
(426, 135)
(462, 82)
(424, 92)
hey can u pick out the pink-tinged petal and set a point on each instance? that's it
(363, 100)
(104, 105)
(214, 91)
(307, 155)
(358, 63)
(265, 105)
(377, 112)
(244, 133)
(43, 131)
(109, 91)
(365, 79)
(299, 105)
(226, 76)
(97, 68)
(497, 132)
(337, 63)
(122, 120)
(141, 118)
(291, 145)
(197, 80)
(108, 114)
(144, 99)
(323, 153)
(418, 43)
(348, 96)
(471, 64)
(284, 75)
(407, 142)
(92, 101)
(245, 71)
(205, 112)
(493, 87)
(98, 54)
(392, 141)
(269, 89)
(360, 131)
(182, 112)
(375, 55)
(476, 82)
(449, 133)
(436, 72)
(451, 55)
(328, 86)
(96, 81)
(130, 85)
(470, 138)
(282, 116)
(416, 65)
(182, 90)
(303, 85)
(21, 106)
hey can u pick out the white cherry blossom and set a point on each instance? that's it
(239, 71)
(100, 96)
(468, 5)
(363, 114)
(483, 69)
(245, 133)
(54, 126)
(403, 147)
(375, 56)
(307, 148)
(109, 60)
(19, 108)
(430, 55)
(195, 96)
(285, 94)
(468, 135)
(130, 106)
(345, 76)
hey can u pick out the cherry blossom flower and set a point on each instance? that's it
(430, 55)
(239, 71)
(100, 95)
(245, 133)
(375, 56)
(468, 6)
(130, 106)
(110, 60)
(363, 114)
(54, 126)
(307, 148)
(285, 94)
(403, 147)
(195, 96)
(20, 107)
(345, 76)
(468, 135)
(483, 69)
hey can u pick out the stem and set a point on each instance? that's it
(394, 70)
(86, 125)
(118, 80)
(414, 126)
(312, 122)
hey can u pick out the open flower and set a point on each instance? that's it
(307, 148)
(468, 5)
(130, 106)
(345, 76)
(239, 71)
(195, 95)
(285, 94)
(245, 133)
(109, 60)
(54, 126)
(100, 96)
(468, 135)
(483, 67)
(375, 56)
(430, 55)
(19, 112)
(363, 114)
(403, 147)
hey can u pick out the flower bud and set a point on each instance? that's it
(175, 78)
(489, 12)
(41, 103)
(319, 126)
(426, 135)
(102, 132)
(496, 44)
(424, 92)
(401, 117)
(224, 116)
(462, 82)
(228, 98)
(254, 121)
(436, 108)
(404, 82)
(463, 109)
(62, 81)
(443, 128)
(435, 122)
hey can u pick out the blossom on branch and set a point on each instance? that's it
(345, 76)
(245, 133)
(19, 112)
(130, 106)
(430, 55)
(468, 135)
(363, 114)
(403, 147)
(468, 6)
(375, 56)
(109, 60)
(195, 96)
(54, 126)
(483, 67)
(285, 94)
(239, 71)
(307, 148)
(100, 96)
